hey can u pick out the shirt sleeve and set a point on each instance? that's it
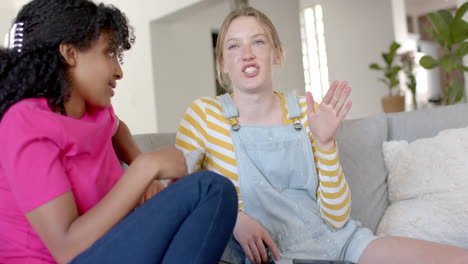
(333, 194)
(35, 173)
(190, 137)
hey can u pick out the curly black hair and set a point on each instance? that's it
(39, 70)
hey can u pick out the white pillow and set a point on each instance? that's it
(428, 188)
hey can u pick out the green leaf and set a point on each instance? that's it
(462, 50)
(446, 15)
(441, 26)
(374, 66)
(461, 11)
(386, 58)
(459, 30)
(393, 48)
(461, 67)
(394, 82)
(428, 62)
(390, 56)
(396, 69)
(436, 36)
(448, 62)
(459, 27)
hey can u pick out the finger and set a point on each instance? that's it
(255, 253)
(262, 250)
(345, 111)
(343, 99)
(271, 244)
(336, 96)
(331, 91)
(247, 252)
(310, 103)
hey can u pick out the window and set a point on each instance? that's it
(314, 52)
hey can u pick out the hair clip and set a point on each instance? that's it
(16, 36)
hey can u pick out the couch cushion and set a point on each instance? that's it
(360, 149)
(426, 123)
(148, 142)
(427, 185)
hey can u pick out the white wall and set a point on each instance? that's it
(183, 60)
(285, 17)
(134, 102)
(356, 33)
(7, 14)
(184, 63)
(400, 26)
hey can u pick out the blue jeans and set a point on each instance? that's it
(188, 222)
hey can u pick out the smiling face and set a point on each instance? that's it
(95, 72)
(248, 54)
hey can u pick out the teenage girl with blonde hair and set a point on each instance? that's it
(280, 153)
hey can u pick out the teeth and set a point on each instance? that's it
(250, 69)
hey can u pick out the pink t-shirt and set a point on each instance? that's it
(42, 156)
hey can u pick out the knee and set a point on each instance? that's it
(216, 184)
(216, 180)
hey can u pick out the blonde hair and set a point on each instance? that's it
(223, 78)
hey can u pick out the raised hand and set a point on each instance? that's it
(253, 237)
(325, 120)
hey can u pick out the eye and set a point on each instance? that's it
(259, 42)
(232, 46)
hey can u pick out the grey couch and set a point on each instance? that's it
(360, 149)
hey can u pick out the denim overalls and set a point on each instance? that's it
(278, 183)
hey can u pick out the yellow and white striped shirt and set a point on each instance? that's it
(205, 128)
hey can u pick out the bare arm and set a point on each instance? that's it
(127, 151)
(66, 234)
(124, 146)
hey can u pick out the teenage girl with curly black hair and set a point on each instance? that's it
(64, 195)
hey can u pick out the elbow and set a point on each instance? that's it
(66, 251)
(341, 224)
(64, 257)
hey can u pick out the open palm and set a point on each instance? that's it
(325, 120)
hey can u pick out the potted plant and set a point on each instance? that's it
(450, 32)
(394, 102)
(408, 64)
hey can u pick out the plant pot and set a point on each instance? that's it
(391, 104)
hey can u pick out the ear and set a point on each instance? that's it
(278, 55)
(69, 53)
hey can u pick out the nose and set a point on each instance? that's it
(247, 54)
(118, 73)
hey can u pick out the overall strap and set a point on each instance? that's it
(292, 104)
(229, 110)
(294, 111)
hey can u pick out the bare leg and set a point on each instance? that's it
(403, 250)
